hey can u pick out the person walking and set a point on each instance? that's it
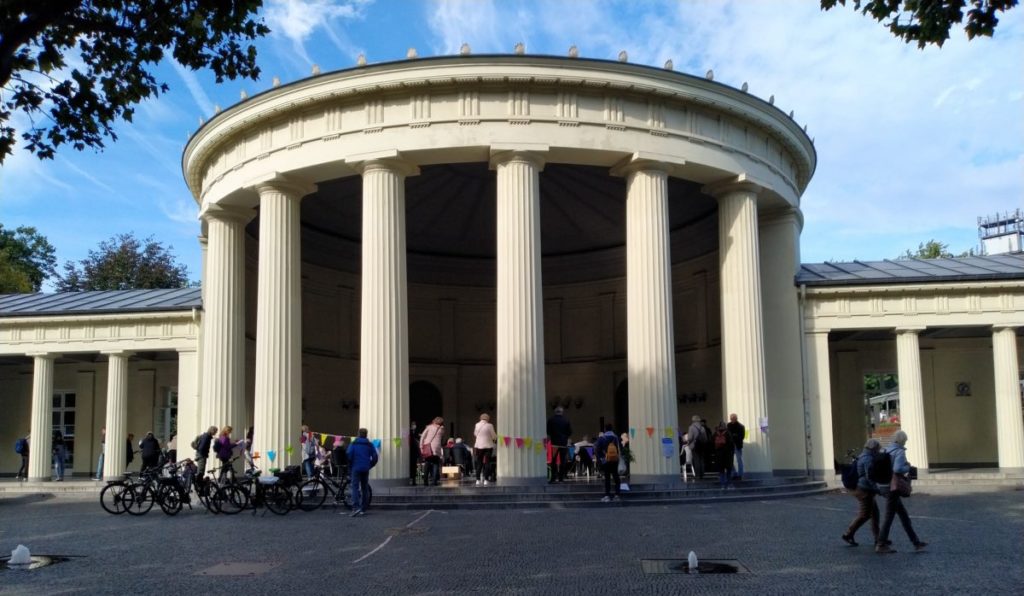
(627, 455)
(430, 449)
(696, 439)
(865, 493)
(362, 456)
(60, 455)
(21, 448)
(897, 453)
(483, 448)
(738, 433)
(202, 446)
(414, 452)
(103, 448)
(149, 449)
(724, 451)
(608, 451)
(129, 454)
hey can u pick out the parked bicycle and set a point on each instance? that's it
(313, 492)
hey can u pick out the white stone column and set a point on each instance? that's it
(188, 401)
(384, 334)
(223, 352)
(779, 251)
(277, 416)
(649, 340)
(520, 315)
(1009, 424)
(743, 376)
(908, 364)
(114, 460)
(819, 403)
(40, 460)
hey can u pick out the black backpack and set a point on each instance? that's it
(881, 468)
(848, 472)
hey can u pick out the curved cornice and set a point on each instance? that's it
(426, 75)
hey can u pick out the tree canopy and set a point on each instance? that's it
(26, 260)
(76, 67)
(930, 21)
(933, 249)
(125, 263)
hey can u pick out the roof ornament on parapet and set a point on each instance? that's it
(574, 52)
(744, 87)
(791, 114)
(411, 54)
(669, 65)
(710, 75)
(216, 108)
(315, 70)
(771, 100)
(519, 49)
(243, 95)
(623, 56)
(275, 82)
(465, 50)
(361, 60)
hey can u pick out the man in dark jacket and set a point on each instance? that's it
(203, 448)
(149, 449)
(608, 450)
(738, 432)
(129, 454)
(362, 456)
(559, 431)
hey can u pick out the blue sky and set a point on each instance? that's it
(912, 144)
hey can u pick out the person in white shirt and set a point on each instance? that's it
(483, 449)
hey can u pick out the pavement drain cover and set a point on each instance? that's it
(238, 568)
(704, 567)
(37, 562)
(406, 531)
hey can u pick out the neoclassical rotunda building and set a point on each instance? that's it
(506, 234)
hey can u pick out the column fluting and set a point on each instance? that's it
(114, 460)
(223, 352)
(743, 377)
(39, 457)
(277, 406)
(520, 316)
(908, 363)
(649, 337)
(1009, 424)
(384, 335)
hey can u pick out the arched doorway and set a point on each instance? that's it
(425, 403)
(622, 407)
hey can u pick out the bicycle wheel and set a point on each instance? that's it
(112, 498)
(139, 499)
(230, 499)
(277, 499)
(170, 500)
(311, 495)
(347, 492)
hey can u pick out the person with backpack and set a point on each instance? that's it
(362, 457)
(865, 491)
(21, 448)
(897, 455)
(697, 439)
(202, 444)
(724, 451)
(608, 450)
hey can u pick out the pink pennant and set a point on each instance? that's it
(519, 442)
(508, 441)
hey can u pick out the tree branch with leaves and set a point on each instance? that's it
(929, 21)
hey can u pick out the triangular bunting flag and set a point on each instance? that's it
(397, 441)
(668, 431)
(632, 432)
(508, 440)
(528, 442)
(519, 442)
(650, 431)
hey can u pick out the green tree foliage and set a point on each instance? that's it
(125, 263)
(26, 260)
(933, 249)
(112, 46)
(930, 21)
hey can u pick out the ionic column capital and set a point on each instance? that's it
(532, 153)
(913, 330)
(740, 184)
(643, 161)
(225, 213)
(391, 160)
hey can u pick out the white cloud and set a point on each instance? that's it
(195, 89)
(296, 20)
